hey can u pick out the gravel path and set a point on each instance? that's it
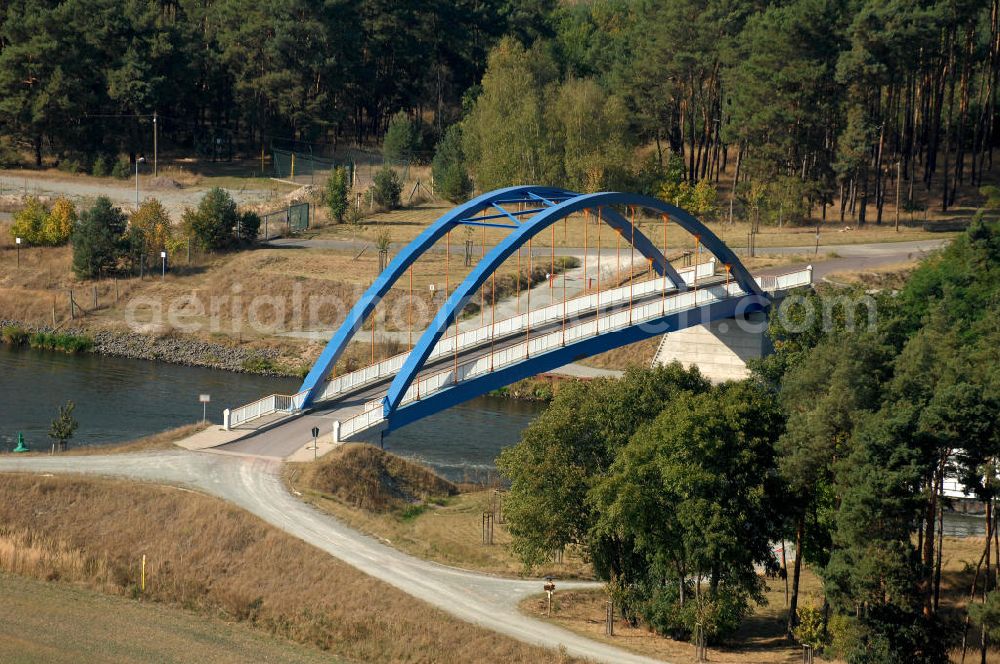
(121, 192)
(254, 484)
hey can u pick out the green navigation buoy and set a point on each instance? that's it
(21, 447)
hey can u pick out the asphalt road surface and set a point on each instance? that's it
(255, 485)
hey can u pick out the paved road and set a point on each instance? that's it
(853, 257)
(845, 250)
(848, 257)
(255, 485)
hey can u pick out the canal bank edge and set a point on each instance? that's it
(171, 349)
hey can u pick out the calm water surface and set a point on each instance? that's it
(119, 399)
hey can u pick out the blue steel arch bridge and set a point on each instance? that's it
(455, 359)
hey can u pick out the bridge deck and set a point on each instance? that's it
(285, 439)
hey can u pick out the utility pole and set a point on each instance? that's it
(898, 173)
(138, 161)
(155, 171)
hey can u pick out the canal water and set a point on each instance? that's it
(118, 400)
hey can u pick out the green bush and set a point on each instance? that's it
(845, 635)
(248, 227)
(14, 335)
(99, 239)
(450, 178)
(402, 139)
(258, 365)
(214, 224)
(811, 630)
(70, 166)
(100, 168)
(122, 169)
(387, 188)
(336, 194)
(411, 512)
(67, 343)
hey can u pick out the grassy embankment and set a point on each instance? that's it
(206, 556)
(407, 506)
(63, 624)
(158, 441)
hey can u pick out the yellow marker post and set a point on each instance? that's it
(142, 583)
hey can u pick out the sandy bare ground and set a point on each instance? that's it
(255, 485)
(121, 192)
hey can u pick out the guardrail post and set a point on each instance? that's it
(225, 419)
(336, 431)
(809, 269)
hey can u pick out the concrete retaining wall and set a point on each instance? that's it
(719, 349)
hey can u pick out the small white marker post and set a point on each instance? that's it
(204, 399)
(550, 587)
(17, 242)
(163, 273)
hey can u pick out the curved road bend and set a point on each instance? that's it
(255, 485)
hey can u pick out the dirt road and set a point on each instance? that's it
(254, 484)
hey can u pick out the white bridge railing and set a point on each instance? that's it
(429, 385)
(275, 403)
(501, 329)
(785, 281)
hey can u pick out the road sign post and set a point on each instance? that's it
(315, 433)
(204, 399)
(550, 587)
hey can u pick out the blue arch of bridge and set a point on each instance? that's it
(518, 237)
(464, 214)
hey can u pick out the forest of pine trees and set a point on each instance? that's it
(819, 101)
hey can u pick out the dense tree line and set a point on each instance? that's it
(798, 104)
(87, 75)
(840, 442)
(816, 100)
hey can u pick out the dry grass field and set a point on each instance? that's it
(207, 556)
(62, 624)
(404, 224)
(432, 523)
